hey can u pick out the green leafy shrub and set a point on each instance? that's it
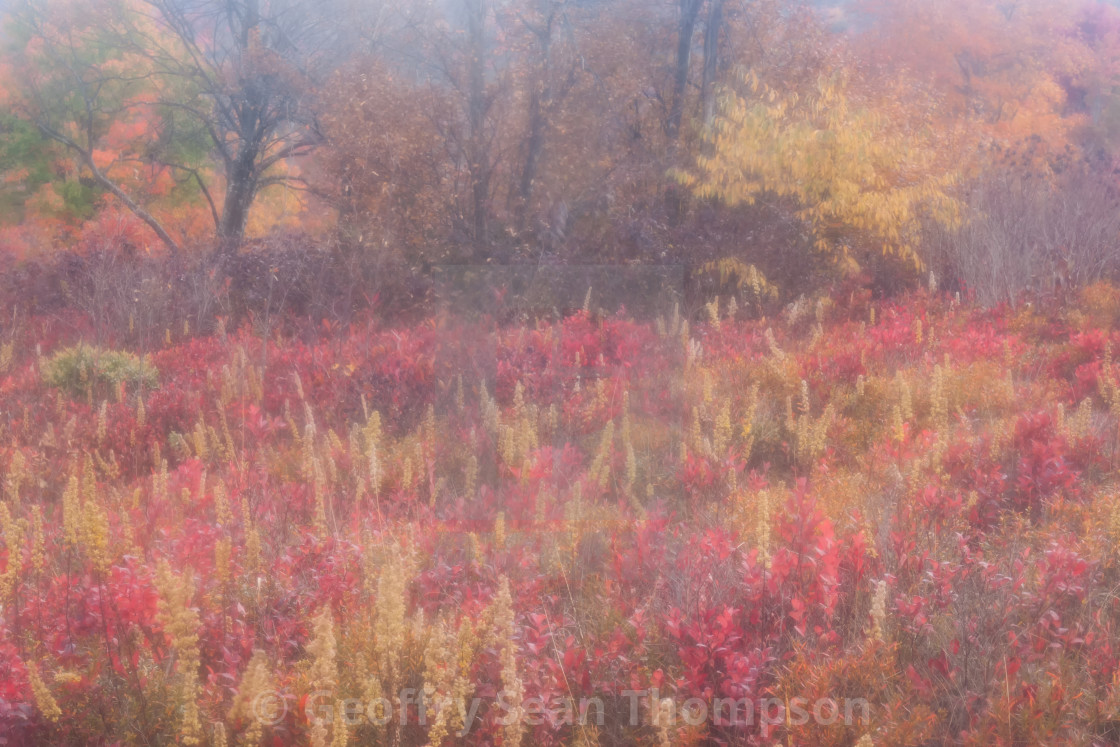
(85, 369)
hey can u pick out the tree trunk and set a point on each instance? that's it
(478, 158)
(533, 145)
(539, 98)
(240, 191)
(241, 171)
(690, 10)
(711, 61)
(132, 205)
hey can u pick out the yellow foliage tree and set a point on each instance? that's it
(859, 179)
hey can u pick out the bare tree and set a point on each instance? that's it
(553, 72)
(254, 67)
(462, 60)
(237, 76)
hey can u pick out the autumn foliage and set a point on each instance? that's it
(415, 373)
(891, 138)
(908, 502)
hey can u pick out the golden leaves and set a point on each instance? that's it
(855, 177)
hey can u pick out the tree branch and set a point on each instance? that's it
(108, 184)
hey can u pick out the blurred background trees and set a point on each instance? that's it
(880, 134)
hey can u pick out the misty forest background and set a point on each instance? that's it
(354, 146)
